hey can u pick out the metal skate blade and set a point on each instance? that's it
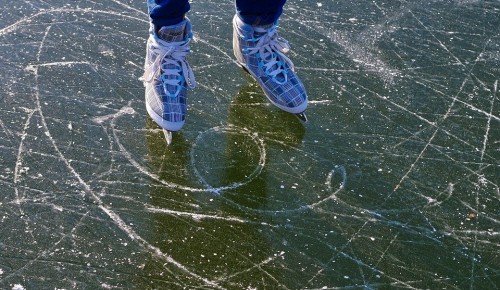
(244, 68)
(302, 116)
(168, 136)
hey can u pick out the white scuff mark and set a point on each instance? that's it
(106, 51)
(488, 123)
(195, 216)
(32, 67)
(450, 188)
(127, 110)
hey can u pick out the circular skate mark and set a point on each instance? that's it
(196, 154)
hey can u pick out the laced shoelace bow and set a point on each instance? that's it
(271, 49)
(170, 53)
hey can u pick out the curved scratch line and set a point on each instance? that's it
(136, 164)
(338, 169)
(196, 216)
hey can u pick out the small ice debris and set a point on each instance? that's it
(1, 271)
(482, 180)
(352, 19)
(30, 68)
(346, 277)
(319, 4)
(372, 238)
(282, 186)
(18, 287)
(106, 51)
(70, 126)
(431, 200)
(450, 188)
(380, 170)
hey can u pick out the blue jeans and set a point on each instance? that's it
(253, 12)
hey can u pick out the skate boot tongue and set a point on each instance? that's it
(174, 33)
(259, 31)
(262, 29)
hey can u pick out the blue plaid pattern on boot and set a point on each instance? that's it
(167, 75)
(261, 52)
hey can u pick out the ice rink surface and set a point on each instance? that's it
(392, 184)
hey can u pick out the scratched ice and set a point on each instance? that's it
(394, 182)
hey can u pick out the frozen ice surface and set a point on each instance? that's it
(393, 183)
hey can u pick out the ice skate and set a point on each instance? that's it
(261, 52)
(167, 76)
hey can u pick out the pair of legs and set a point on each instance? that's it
(253, 12)
(256, 46)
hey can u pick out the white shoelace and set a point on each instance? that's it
(272, 49)
(170, 53)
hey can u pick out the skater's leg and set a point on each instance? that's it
(259, 12)
(167, 12)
